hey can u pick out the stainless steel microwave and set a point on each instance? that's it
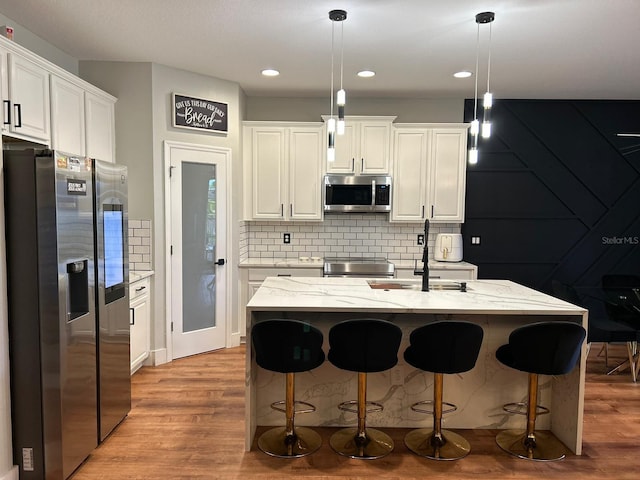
(357, 193)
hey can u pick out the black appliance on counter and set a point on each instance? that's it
(67, 277)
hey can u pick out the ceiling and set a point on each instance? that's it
(583, 49)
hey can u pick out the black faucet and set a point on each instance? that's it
(425, 260)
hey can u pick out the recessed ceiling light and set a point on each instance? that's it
(366, 74)
(270, 72)
(462, 74)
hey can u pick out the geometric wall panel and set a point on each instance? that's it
(556, 193)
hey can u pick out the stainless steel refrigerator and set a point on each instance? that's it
(67, 268)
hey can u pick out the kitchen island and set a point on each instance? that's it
(499, 306)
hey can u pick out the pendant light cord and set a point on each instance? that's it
(489, 59)
(475, 97)
(341, 52)
(332, 55)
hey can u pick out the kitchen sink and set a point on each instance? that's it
(416, 285)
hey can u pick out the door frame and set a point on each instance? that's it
(168, 146)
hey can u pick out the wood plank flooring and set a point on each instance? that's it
(187, 422)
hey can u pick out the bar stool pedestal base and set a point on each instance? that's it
(275, 442)
(375, 444)
(547, 447)
(422, 442)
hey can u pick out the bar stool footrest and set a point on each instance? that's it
(416, 407)
(352, 406)
(310, 408)
(520, 408)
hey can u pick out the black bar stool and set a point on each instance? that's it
(365, 346)
(441, 347)
(288, 346)
(544, 348)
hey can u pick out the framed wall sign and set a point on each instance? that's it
(199, 114)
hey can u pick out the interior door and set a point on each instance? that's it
(198, 232)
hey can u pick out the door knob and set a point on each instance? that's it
(220, 261)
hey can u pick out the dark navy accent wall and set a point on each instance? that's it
(555, 193)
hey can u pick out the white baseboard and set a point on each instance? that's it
(11, 474)
(158, 357)
(234, 340)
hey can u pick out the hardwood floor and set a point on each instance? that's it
(187, 422)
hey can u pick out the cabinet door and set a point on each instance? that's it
(410, 173)
(448, 174)
(29, 95)
(100, 127)
(139, 332)
(67, 115)
(305, 172)
(268, 170)
(4, 91)
(346, 151)
(375, 140)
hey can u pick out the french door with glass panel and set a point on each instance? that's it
(197, 244)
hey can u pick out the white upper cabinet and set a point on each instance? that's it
(283, 165)
(43, 103)
(365, 147)
(447, 179)
(429, 173)
(410, 174)
(25, 98)
(100, 126)
(67, 117)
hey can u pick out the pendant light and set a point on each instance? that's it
(336, 16)
(475, 131)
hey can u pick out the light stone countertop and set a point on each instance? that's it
(135, 275)
(355, 295)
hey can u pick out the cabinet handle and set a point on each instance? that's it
(353, 164)
(7, 112)
(431, 211)
(139, 289)
(362, 165)
(422, 211)
(284, 275)
(133, 316)
(291, 209)
(18, 108)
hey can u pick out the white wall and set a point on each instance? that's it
(40, 46)
(167, 80)
(143, 123)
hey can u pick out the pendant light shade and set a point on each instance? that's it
(487, 100)
(332, 129)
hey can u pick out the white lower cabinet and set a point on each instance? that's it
(462, 271)
(139, 322)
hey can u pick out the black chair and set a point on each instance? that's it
(544, 348)
(365, 346)
(288, 346)
(605, 329)
(441, 347)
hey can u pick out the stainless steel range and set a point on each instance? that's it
(367, 267)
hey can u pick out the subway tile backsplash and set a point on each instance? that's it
(140, 245)
(368, 235)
